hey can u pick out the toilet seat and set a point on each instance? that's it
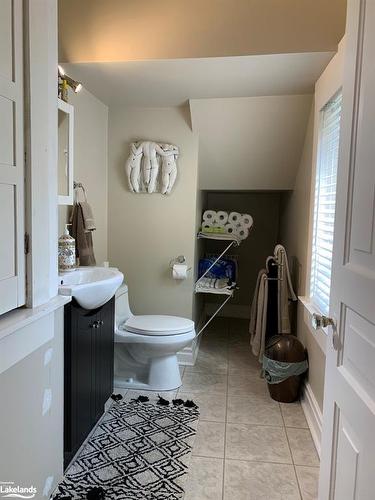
(157, 325)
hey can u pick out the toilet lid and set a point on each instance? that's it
(158, 325)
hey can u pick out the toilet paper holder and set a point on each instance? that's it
(181, 259)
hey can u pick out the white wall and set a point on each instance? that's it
(294, 233)
(91, 164)
(146, 231)
(296, 224)
(250, 142)
(31, 435)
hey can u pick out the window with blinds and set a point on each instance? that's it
(324, 203)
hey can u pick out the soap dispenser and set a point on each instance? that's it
(67, 252)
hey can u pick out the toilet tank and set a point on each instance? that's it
(122, 309)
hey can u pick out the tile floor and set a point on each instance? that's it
(248, 447)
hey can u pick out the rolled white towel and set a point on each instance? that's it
(207, 225)
(234, 218)
(247, 220)
(242, 232)
(222, 217)
(230, 228)
(213, 227)
(209, 215)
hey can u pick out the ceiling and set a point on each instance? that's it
(124, 30)
(173, 82)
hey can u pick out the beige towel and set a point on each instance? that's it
(258, 317)
(84, 246)
(88, 218)
(285, 289)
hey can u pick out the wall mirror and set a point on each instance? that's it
(65, 152)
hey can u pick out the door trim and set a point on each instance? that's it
(313, 414)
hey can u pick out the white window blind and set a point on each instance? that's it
(324, 203)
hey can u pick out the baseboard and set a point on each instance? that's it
(229, 310)
(188, 355)
(313, 415)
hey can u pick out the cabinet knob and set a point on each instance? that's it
(95, 324)
(101, 322)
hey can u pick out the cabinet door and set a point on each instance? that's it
(89, 337)
(83, 386)
(12, 257)
(79, 403)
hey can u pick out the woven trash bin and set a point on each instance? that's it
(284, 363)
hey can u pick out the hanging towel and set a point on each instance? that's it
(258, 316)
(88, 218)
(84, 246)
(285, 289)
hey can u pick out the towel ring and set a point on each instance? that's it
(77, 186)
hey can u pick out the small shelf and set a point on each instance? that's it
(217, 291)
(220, 237)
(227, 293)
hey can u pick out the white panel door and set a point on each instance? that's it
(348, 442)
(12, 259)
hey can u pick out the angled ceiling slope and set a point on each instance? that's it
(173, 82)
(250, 143)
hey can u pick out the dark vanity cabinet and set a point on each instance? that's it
(88, 370)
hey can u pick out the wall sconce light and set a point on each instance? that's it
(65, 82)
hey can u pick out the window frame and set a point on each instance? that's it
(314, 181)
(327, 86)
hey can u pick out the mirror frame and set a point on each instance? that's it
(69, 110)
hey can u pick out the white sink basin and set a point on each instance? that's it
(91, 286)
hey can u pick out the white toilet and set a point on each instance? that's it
(146, 347)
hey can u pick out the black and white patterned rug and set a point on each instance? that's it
(139, 451)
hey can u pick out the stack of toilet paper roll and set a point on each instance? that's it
(224, 223)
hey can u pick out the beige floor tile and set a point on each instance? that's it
(211, 359)
(206, 383)
(293, 415)
(182, 370)
(238, 341)
(205, 479)
(209, 441)
(302, 447)
(246, 383)
(259, 481)
(308, 478)
(257, 443)
(240, 358)
(254, 410)
(211, 406)
(213, 337)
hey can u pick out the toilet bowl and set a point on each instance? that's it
(146, 347)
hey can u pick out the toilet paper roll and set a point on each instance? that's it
(242, 233)
(209, 215)
(222, 217)
(179, 271)
(234, 218)
(247, 220)
(230, 228)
